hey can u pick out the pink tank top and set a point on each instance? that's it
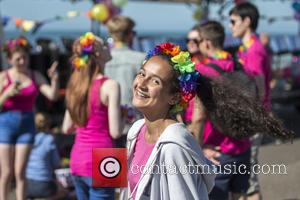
(141, 154)
(95, 134)
(25, 100)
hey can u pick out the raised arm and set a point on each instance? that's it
(49, 91)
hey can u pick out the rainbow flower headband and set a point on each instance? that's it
(186, 68)
(86, 42)
(10, 44)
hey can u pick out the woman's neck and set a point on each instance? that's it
(16, 70)
(155, 128)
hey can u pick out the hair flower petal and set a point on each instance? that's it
(181, 58)
(86, 43)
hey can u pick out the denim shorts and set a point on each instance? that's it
(17, 127)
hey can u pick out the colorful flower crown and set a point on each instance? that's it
(183, 64)
(12, 43)
(86, 42)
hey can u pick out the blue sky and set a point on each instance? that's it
(150, 17)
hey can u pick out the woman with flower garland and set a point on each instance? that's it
(93, 108)
(19, 87)
(165, 161)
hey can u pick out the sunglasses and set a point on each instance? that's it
(194, 40)
(233, 22)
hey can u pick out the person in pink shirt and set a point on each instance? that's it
(19, 88)
(93, 111)
(254, 57)
(218, 147)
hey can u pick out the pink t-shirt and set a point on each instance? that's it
(211, 135)
(25, 100)
(141, 153)
(257, 61)
(95, 134)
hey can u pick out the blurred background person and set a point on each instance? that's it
(43, 160)
(19, 87)
(252, 54)
(192, 43)
(219, 148)
(93, 112)
(125, 62)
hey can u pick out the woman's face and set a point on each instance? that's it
(19, 59)
(192, 41)
(152, 87)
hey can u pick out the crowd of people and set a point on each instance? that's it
(204, 106)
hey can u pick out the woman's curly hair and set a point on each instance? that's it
(236, 113)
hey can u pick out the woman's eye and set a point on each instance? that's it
(141, 74)
(156, 82)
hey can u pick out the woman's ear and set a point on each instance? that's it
(175, 99)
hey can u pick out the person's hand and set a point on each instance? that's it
(52, 72)
(212, 153)
(12, 90)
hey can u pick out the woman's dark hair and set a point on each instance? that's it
(244, 10)
(236, 113)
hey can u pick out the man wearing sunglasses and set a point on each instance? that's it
(256, 63)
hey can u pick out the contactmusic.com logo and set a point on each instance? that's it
(109, 167)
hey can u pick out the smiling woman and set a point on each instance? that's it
(151, 88)
(165, 84)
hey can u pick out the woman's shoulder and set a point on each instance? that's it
(110, 85)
